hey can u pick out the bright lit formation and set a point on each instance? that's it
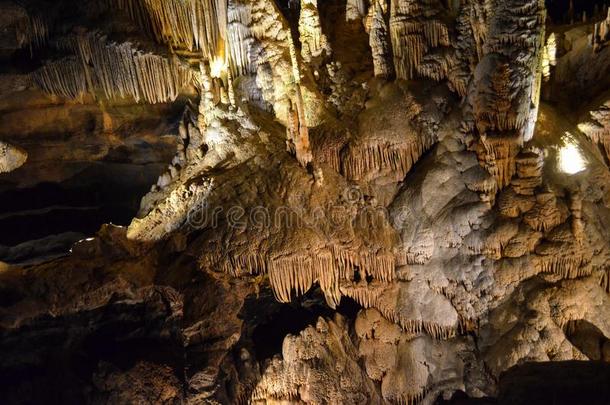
(217, 67)
(571, 160)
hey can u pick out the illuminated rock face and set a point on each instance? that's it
(11, 157)
(386, 201)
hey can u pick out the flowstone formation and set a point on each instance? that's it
(367, 202)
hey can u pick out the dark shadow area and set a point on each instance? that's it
(556, 383)
(565, 11)
(57, 360)
(291, 318)
(61, 213)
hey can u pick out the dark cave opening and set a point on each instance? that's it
(588, 339)
(50, 208)
(566, 11)
(59, 214)
(294, 317)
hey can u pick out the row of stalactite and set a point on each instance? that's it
(411, 39)
(184, 24)
(373, 298)
(239, 39)
(118, 70)
(601, 33)
(417, 257)
(411, 399)
(32, 31)
(497, 155)
(216, 28)
(565, 267)
(359, 161)
(65, 77)
(296, 274)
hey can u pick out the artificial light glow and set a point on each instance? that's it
(549, 56)
(217, 67)
(571, 160)
(551, 45)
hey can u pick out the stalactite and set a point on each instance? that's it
(355, 10)
(577, 224)
(328, 276)
(597, 127)
(372, 297)
(506, 95)
(411, 398)
(300, 137)
(313, 41)
(363, 294)
(544, 215)
(601, 34)
(529, 166)
(379, 42)
(604, 279)
(329, 156)
(434, 66)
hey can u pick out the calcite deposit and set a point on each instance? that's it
(308, 202)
